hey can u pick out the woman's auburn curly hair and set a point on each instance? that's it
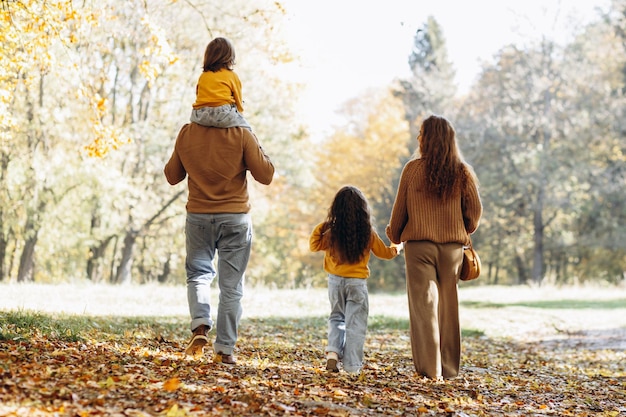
(349, 225)
(445, 168)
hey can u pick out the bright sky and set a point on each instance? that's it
(350, 45)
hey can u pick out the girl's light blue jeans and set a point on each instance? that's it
(229, 236)
(222, 116)
(347, 324)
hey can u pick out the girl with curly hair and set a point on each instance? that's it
(347, 238)
(437, 207)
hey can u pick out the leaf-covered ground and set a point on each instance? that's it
(89, 350)
(69, 365)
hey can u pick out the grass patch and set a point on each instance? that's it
(279, 324)
(472, 333)
(376, 323)
(553, 304)
(24, 325)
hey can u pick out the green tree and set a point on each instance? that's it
(35, 39)
(537, 149)
(124, 97)
(431, 88)
(600, 226)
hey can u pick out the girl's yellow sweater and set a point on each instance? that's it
(319, 242)
(218, 88)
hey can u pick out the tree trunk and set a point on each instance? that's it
(3, 253)
(26, 270)
(4, 163)
(163, 277)
(95, 263)
(520, 263)
(538, 227)
(538, 222)
(124, 270)
(123, 273)
(3, 250)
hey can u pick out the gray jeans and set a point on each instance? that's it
(227, 237)
(347, 324)
(221, 116)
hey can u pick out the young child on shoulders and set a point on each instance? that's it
(347, 238)
(218, 92)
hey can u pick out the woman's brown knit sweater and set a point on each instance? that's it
(420, 215)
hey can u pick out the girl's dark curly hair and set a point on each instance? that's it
(445, 168)
(349, 224)
(219, 54)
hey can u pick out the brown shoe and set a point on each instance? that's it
(198, 341)
(224, 358)
(332, 361)
(331, 365)
(202, 329)
(196, 345)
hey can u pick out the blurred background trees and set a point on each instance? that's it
(92, 96)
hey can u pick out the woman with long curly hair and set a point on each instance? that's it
(437, 207)
(347, 238)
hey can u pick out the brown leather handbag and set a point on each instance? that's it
(471, 264)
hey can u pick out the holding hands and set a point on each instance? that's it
(399, 247)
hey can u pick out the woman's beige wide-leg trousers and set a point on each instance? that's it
(431, 281)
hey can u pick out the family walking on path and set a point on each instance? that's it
(437, 207)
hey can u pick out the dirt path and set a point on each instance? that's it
(584, 317)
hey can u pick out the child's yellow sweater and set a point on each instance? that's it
(319, 242)
(217, 89)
